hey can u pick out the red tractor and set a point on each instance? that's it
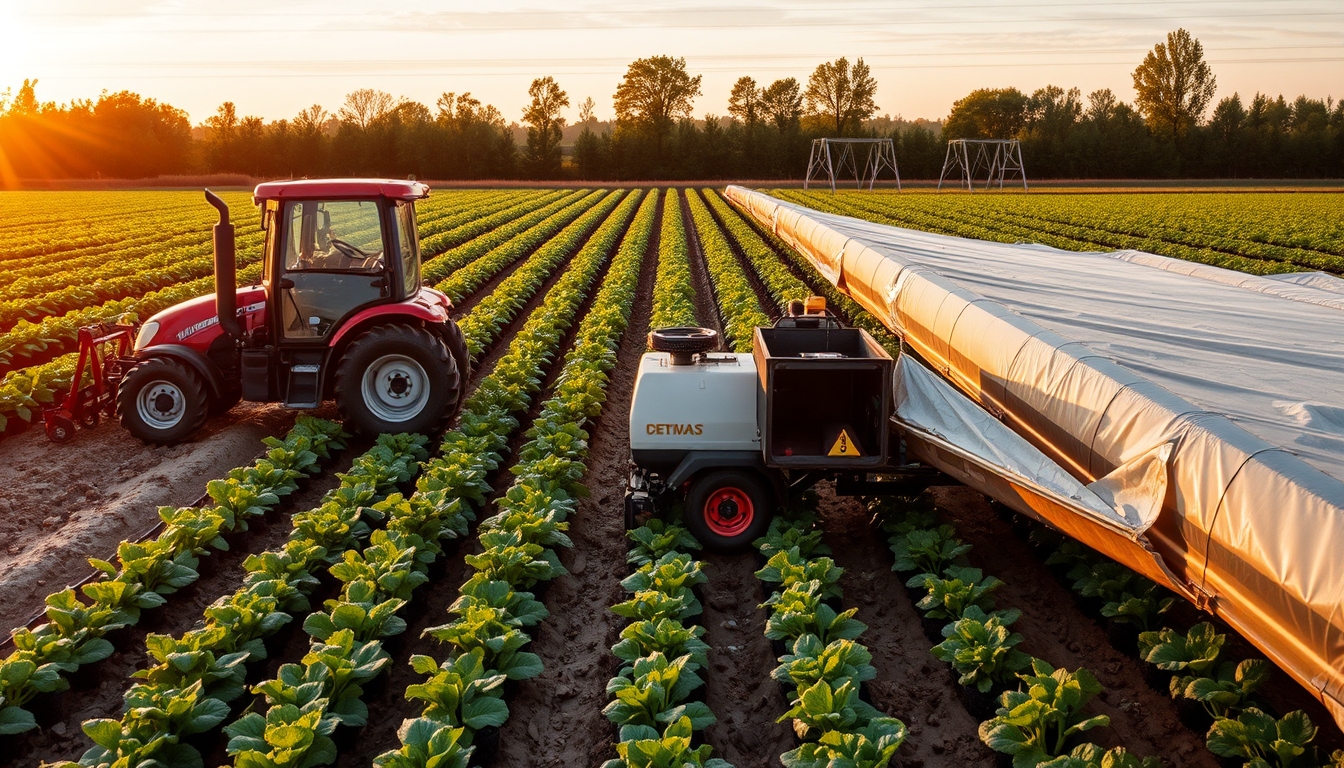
(339, 313)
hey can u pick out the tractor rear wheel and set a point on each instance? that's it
(162, 401)
(397, 378)
(727, 509)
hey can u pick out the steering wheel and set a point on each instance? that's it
(347, 250)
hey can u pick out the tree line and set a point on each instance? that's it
(766, 133)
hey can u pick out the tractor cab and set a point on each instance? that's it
(338, 313)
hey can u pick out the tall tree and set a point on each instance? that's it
(744, 102)
(782, 103)
(365, 106)
(987, 113)
(654, 94)
(545, 126)
(841, 96)
(1174, 85)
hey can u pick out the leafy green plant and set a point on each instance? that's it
(155, 717)
(657, 538)
(926, 550)
(949, 598)
(654, 692)
(981, 649)
(427, 743)
(1225, 689)
(360, 611)
(1106, 580)
(1263, 741)
(493, 632)
(821, 708)
(460, 692)
(674, 574)
(1141, 605)
(870, 746)
(642, 746)
(1092, 756)
(1034, 725)
(287, 737)
(785, 534)
(652, 605)
(789, 567)
(522, 608)
(812, 662)
(1196, 651)
(666, 636)
(508, 558)
(799, 611)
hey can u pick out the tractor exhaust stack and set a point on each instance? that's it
(226, 270)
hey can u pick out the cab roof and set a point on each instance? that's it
(339, 188)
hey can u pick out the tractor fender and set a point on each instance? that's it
(401, 311)
(697, 461)
(202, 365)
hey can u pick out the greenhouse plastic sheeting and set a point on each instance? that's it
(1098, 359)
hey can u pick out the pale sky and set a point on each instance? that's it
(274, 58)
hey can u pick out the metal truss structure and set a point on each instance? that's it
(881, 154)
(968, 158)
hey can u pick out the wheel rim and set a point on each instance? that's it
(161, 404)
(729, 511)
(395, 388)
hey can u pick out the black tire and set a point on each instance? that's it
(231, 396)
(60, 428)
(162, 401)
(727, 509)
(397, 378)
(683, 339)
(457, 347)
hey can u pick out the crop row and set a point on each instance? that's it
(673, 292)
(779, 282)
(502, 227)
(740, 309)
(462, 695)
(961, 224)
(191, 679)
(498, 308)
(144, 572)
(567, 226)
(655, 697)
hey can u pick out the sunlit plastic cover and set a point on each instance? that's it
(1098, 359)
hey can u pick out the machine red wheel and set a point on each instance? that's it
(727, 509)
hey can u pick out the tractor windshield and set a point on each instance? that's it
(344, 235)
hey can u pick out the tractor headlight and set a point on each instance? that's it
(146, 335)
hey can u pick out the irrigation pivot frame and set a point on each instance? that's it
(881, 153)
(967, 158)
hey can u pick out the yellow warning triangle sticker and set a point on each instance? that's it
(844, 446)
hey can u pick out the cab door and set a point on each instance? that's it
(333, 263)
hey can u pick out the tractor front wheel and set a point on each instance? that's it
(727, 509)
(397, 378)
(162, 401)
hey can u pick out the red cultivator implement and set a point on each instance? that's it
(102, 349)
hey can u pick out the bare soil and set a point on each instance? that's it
(62, 504)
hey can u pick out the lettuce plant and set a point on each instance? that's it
(870, 746)
(949, 598)
(798, 611)
(812, 662)
(789, 567)
(521, 608)
(784, 535)
(491, 630)
(666, 636)
(657, 538)
(427, 743)
(673, 574)
(642, 746)
(287, 737)
(654, 692)
(652, 605)
(1034, 725)
(1263, 741)
(1196, 651)
(926, 550)
(821, 708)
(461, 692)
(1140, 605)
(508, 558)
(1091, 756)
(1225, 689)
(981, 649)
(361, 611)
